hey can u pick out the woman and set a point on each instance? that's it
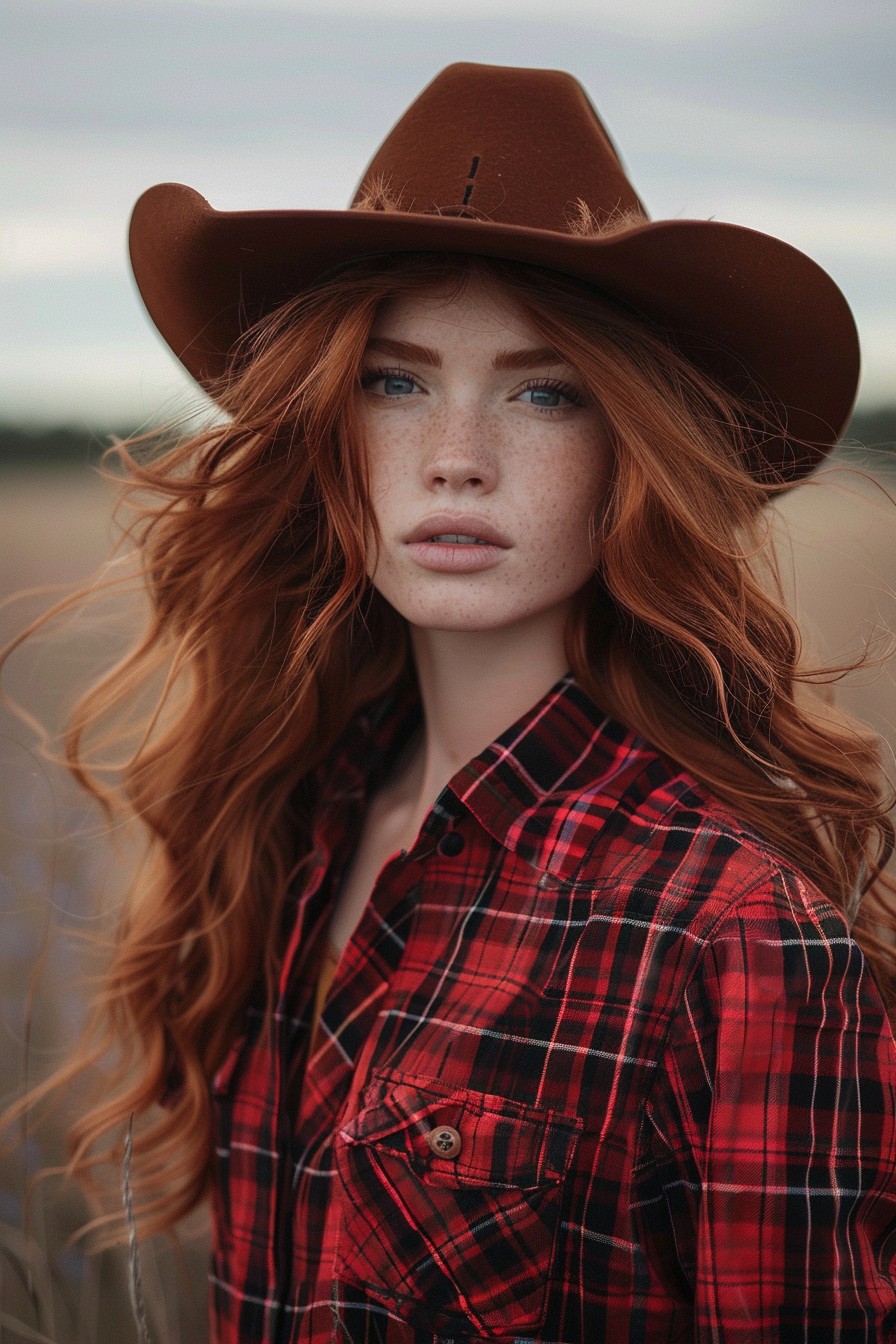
(512, 957)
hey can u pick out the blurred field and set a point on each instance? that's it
(58, 874)
(838, 543)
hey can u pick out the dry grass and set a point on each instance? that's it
(58, 875)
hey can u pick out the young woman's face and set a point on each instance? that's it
(475, 433)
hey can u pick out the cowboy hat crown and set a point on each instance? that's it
(504, 146)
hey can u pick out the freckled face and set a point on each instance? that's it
(475, 433)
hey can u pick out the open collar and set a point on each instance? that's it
(541, 789)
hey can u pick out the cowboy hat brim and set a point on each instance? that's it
(756, 313)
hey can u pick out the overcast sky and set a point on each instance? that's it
(779, 116)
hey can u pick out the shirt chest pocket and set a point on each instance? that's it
(450, 1205)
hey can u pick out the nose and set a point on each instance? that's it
(460, 452)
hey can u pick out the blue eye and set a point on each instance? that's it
(388, 382)
(550, 395)
(543, 396)
(395, 386)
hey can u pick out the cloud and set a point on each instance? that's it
(775, 114)
(56, 244)
(102, 383)
(672, 17)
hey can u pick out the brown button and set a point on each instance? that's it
(444, 1141)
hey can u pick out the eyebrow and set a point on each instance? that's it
(527, 358)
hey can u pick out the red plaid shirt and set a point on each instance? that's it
(595, 1066)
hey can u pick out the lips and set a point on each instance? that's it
(458, 529)
(457, 539)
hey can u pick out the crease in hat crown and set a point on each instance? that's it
(501, 145)
(515, 164)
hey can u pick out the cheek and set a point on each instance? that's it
(572, 496)
(378, 492)
(382, 470)
(375, 465)
(597, 476)
(387, 457)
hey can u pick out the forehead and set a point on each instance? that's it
(480, 309)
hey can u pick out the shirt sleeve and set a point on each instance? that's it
(772, 1131)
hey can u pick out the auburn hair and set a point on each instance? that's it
(265, 636)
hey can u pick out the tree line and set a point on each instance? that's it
(870, 436)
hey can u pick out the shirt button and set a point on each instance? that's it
(451, 844)
(444, 1141)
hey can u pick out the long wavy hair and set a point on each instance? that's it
(265, 637)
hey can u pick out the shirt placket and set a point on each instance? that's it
(334, 1074)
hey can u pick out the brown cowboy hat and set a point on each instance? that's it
(515, 164)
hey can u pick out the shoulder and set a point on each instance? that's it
(757, 938)
(730, 929)
(652, 833)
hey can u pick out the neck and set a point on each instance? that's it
(474, 685)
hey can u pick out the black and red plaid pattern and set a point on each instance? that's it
(598, 1068)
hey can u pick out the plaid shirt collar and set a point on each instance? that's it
(563, 745)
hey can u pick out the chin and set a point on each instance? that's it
(447, 621)
(471, 622)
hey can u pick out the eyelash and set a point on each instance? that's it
(371, 376)
(553, 385)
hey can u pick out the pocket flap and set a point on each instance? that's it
(503, 1142)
